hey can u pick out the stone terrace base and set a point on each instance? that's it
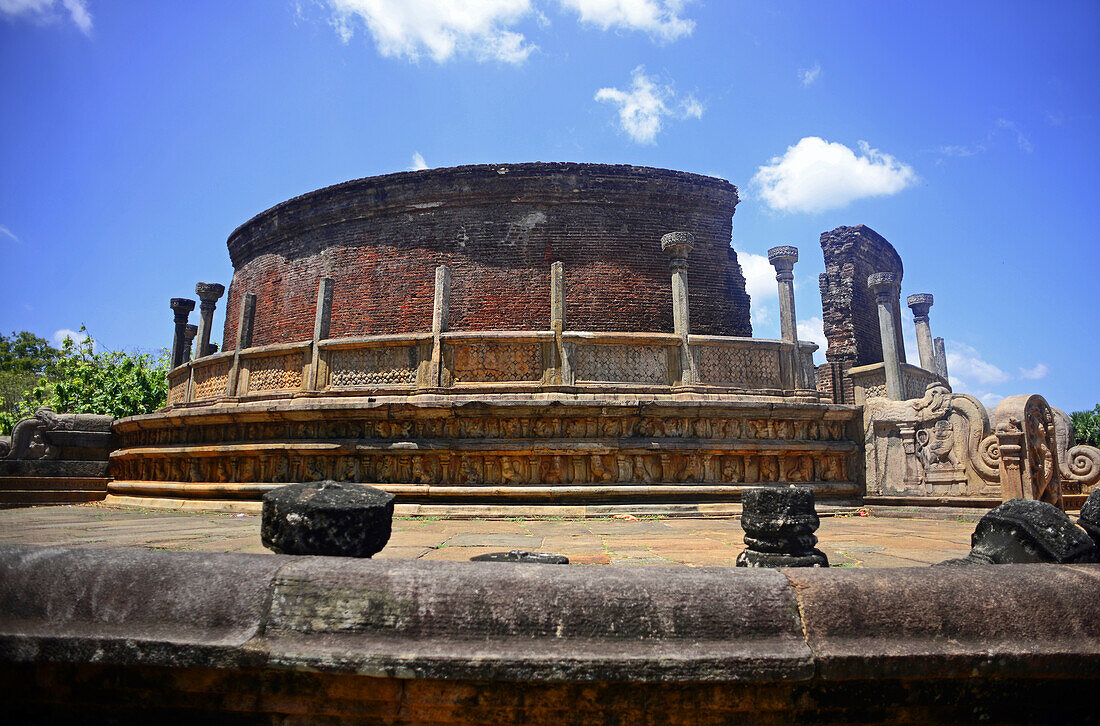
(103, 634)
(517, 449)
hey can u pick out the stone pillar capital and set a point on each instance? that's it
(182, 307)
(782, 258)
(885, 285)
(209, 293)
(677, 245)
(919, 304)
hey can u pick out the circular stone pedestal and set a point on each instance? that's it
(779, 524)
(327, 518)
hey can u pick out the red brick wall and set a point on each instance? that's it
(849, 312)
(499, 227)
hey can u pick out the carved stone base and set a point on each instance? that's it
(516, 446)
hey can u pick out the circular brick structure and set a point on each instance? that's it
(499, 227)
(552, 373)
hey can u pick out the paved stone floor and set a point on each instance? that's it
(849, 541)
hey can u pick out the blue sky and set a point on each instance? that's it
(136, 136)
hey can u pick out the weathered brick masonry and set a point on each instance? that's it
(499, 227)
(849, 313)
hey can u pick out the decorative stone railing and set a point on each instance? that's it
(503, 361)
(870, 381)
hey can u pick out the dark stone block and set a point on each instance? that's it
(1089, 519)
(779, 524)
(1027, 530)
(540, 558)
(327, 518)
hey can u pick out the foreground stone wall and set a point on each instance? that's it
(849, 313)
(109, 635)
(499, 227)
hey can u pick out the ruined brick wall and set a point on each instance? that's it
(850, 315)
(499, 227)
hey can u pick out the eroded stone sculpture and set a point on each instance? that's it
(1027, 530)
(779, 524)
(327, 518)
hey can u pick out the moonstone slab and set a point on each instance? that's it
(779, 524)
(327, 518)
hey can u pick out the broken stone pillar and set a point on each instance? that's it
(327, 518)
(919, 304)
(1027, 530)
(557, 320)
(189, 332)
(244, 339)
(941, 358)
(1089, 518)
(886, 288)
(441, 307)
(181, 310)
(677, 245)
(209, 293)
(783, 259)
(321, 322)
(779, 524)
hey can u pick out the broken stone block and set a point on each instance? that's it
(541, 558)
(779, 524)
(1089, 518)
(327, 518)
(1027, 530)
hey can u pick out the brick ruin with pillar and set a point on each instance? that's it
(575, 335)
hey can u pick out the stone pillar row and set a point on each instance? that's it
(887, 290)
(208, 293)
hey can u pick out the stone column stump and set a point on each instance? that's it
(779, 524)
(327, 518)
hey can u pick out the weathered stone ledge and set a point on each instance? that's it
(411, 619)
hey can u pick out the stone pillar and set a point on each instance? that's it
(677, 245)
(181, 309)
(941, 358)
(244, 339)
(441, 307)
(783, 259)
(209, 293)
(321, 320)
(189, 332)
(557, 320)
(919, 304)
(886, 289)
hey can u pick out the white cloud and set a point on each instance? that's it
(418, 162)
(440, 29)
(47, 11)
(60, 335)
(762, 318)
(809, 75)
(965, 363)
(759, 277)
(815, 175)
(813, 330)
(1021, 141)
(1037, 373)
(4, 231)
(642, 108)
(659, 18)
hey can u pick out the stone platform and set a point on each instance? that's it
(901, 539)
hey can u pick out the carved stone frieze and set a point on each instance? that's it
(275, 373)
(749, 367)
(177, 386)
(386, 365)
(211, 379)
(496, 362)
(620, 363)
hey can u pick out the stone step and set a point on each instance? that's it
(50, 483)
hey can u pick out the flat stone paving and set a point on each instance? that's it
(849, 540)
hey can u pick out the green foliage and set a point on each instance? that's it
(79, 380)
(1086, 426)
(25, 352)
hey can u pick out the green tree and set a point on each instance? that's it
(23, 359)
(1086, 426)
(80, 380)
